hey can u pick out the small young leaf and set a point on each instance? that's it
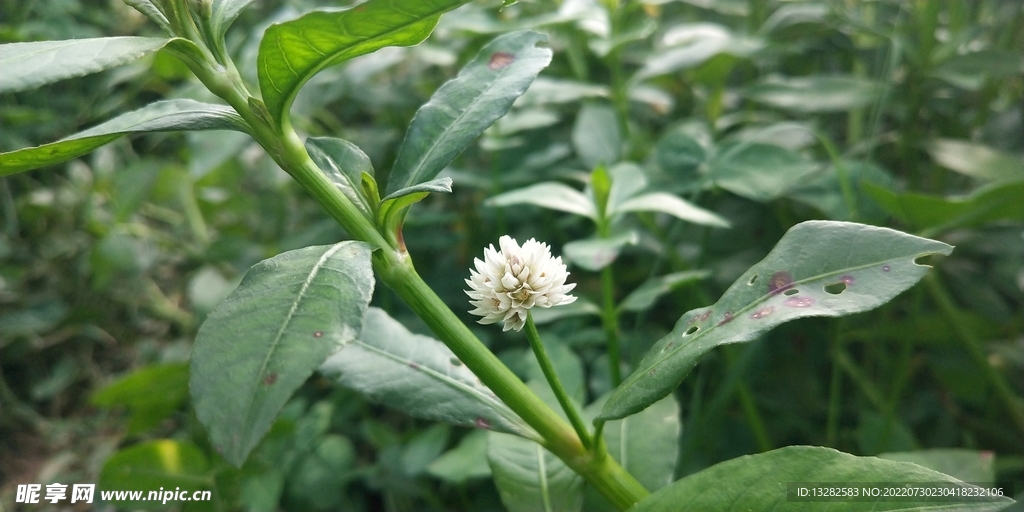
(152, 11)
(29, 65)
(596, 136)
(224, 13)
(419, 376)
(677, 207)
(254, 350)
(627, 180)
(648, 293)
(344, 163)
(465, 106)
(596, 253)
(551, 194)
(440, 185)
(162, 116)
(293, 51)
(763, 482)
(818, 268)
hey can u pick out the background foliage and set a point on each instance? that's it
(766, 113)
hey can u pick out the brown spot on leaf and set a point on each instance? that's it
(318, 334)
(726, 319)
(763, 312)
(483, 423)
(500, 60)
(780, 281)
(270, 379)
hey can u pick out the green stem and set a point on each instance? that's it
(610, 321)
(556, 384)
(973, 345)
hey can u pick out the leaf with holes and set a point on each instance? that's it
(766, 482)
(419, 376)
(818, 268)
(293, 51)
(258, 346)
(466, 105)
(162, 116)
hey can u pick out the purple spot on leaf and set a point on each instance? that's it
(414, 366)
(847, 279)
(779, 281)
(500, 60)
(726, 319)
(799, 302)
(705, 315)
(270, 379)
(483, 423)
(763, 312)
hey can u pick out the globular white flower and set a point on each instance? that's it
(509, 282)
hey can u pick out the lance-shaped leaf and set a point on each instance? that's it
(344, 163)
(293, 51)
(648, 293)
(771, 481)
(287, 315)
(465, 106)
(677, 207)
(29, 65)
(419, 376)
(818, 268)
(162, 116)
(553, 195)
(988, 203)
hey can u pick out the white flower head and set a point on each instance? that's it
(509, 282)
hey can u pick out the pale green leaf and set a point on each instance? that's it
(818, 268)
(467, 461)
(819, 93)
(223, 14)
(419, 376)
(162, 116)
(292, 52)
(648, 293)
(30, 65)
(976, 160)
(465, 106)
(769, 481)
(596, 253)
(673, 205)
(596, 136)
(627, 180)
(254, 350)
(152, 11)
(552, 195)
(976, 467)
(579, 307)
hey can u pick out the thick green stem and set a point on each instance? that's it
(556, 384)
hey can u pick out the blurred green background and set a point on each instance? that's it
(906, 114)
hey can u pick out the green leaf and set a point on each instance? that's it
(552, 195)
(465, 106)
(825, 191)
(162, 116)
(150, 10)
(821, 93)
(153, 393)
(466, 461)
(286, 316)
(344, 163)
(967, 465)
(679, 154)
(596, 253)
(441, 185)
(768, 481)
(675, 206)
(760, 172)
(293, 51)
(818, 268)
(646, 445)
(690, 45)
(419, 376)
(628, 179)
(530, 478)
(223, 14)
(30, 65)
(976, 160)
(153, 465)
(988, 203)
(579, 307)
(648, 293)
(596, 136)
